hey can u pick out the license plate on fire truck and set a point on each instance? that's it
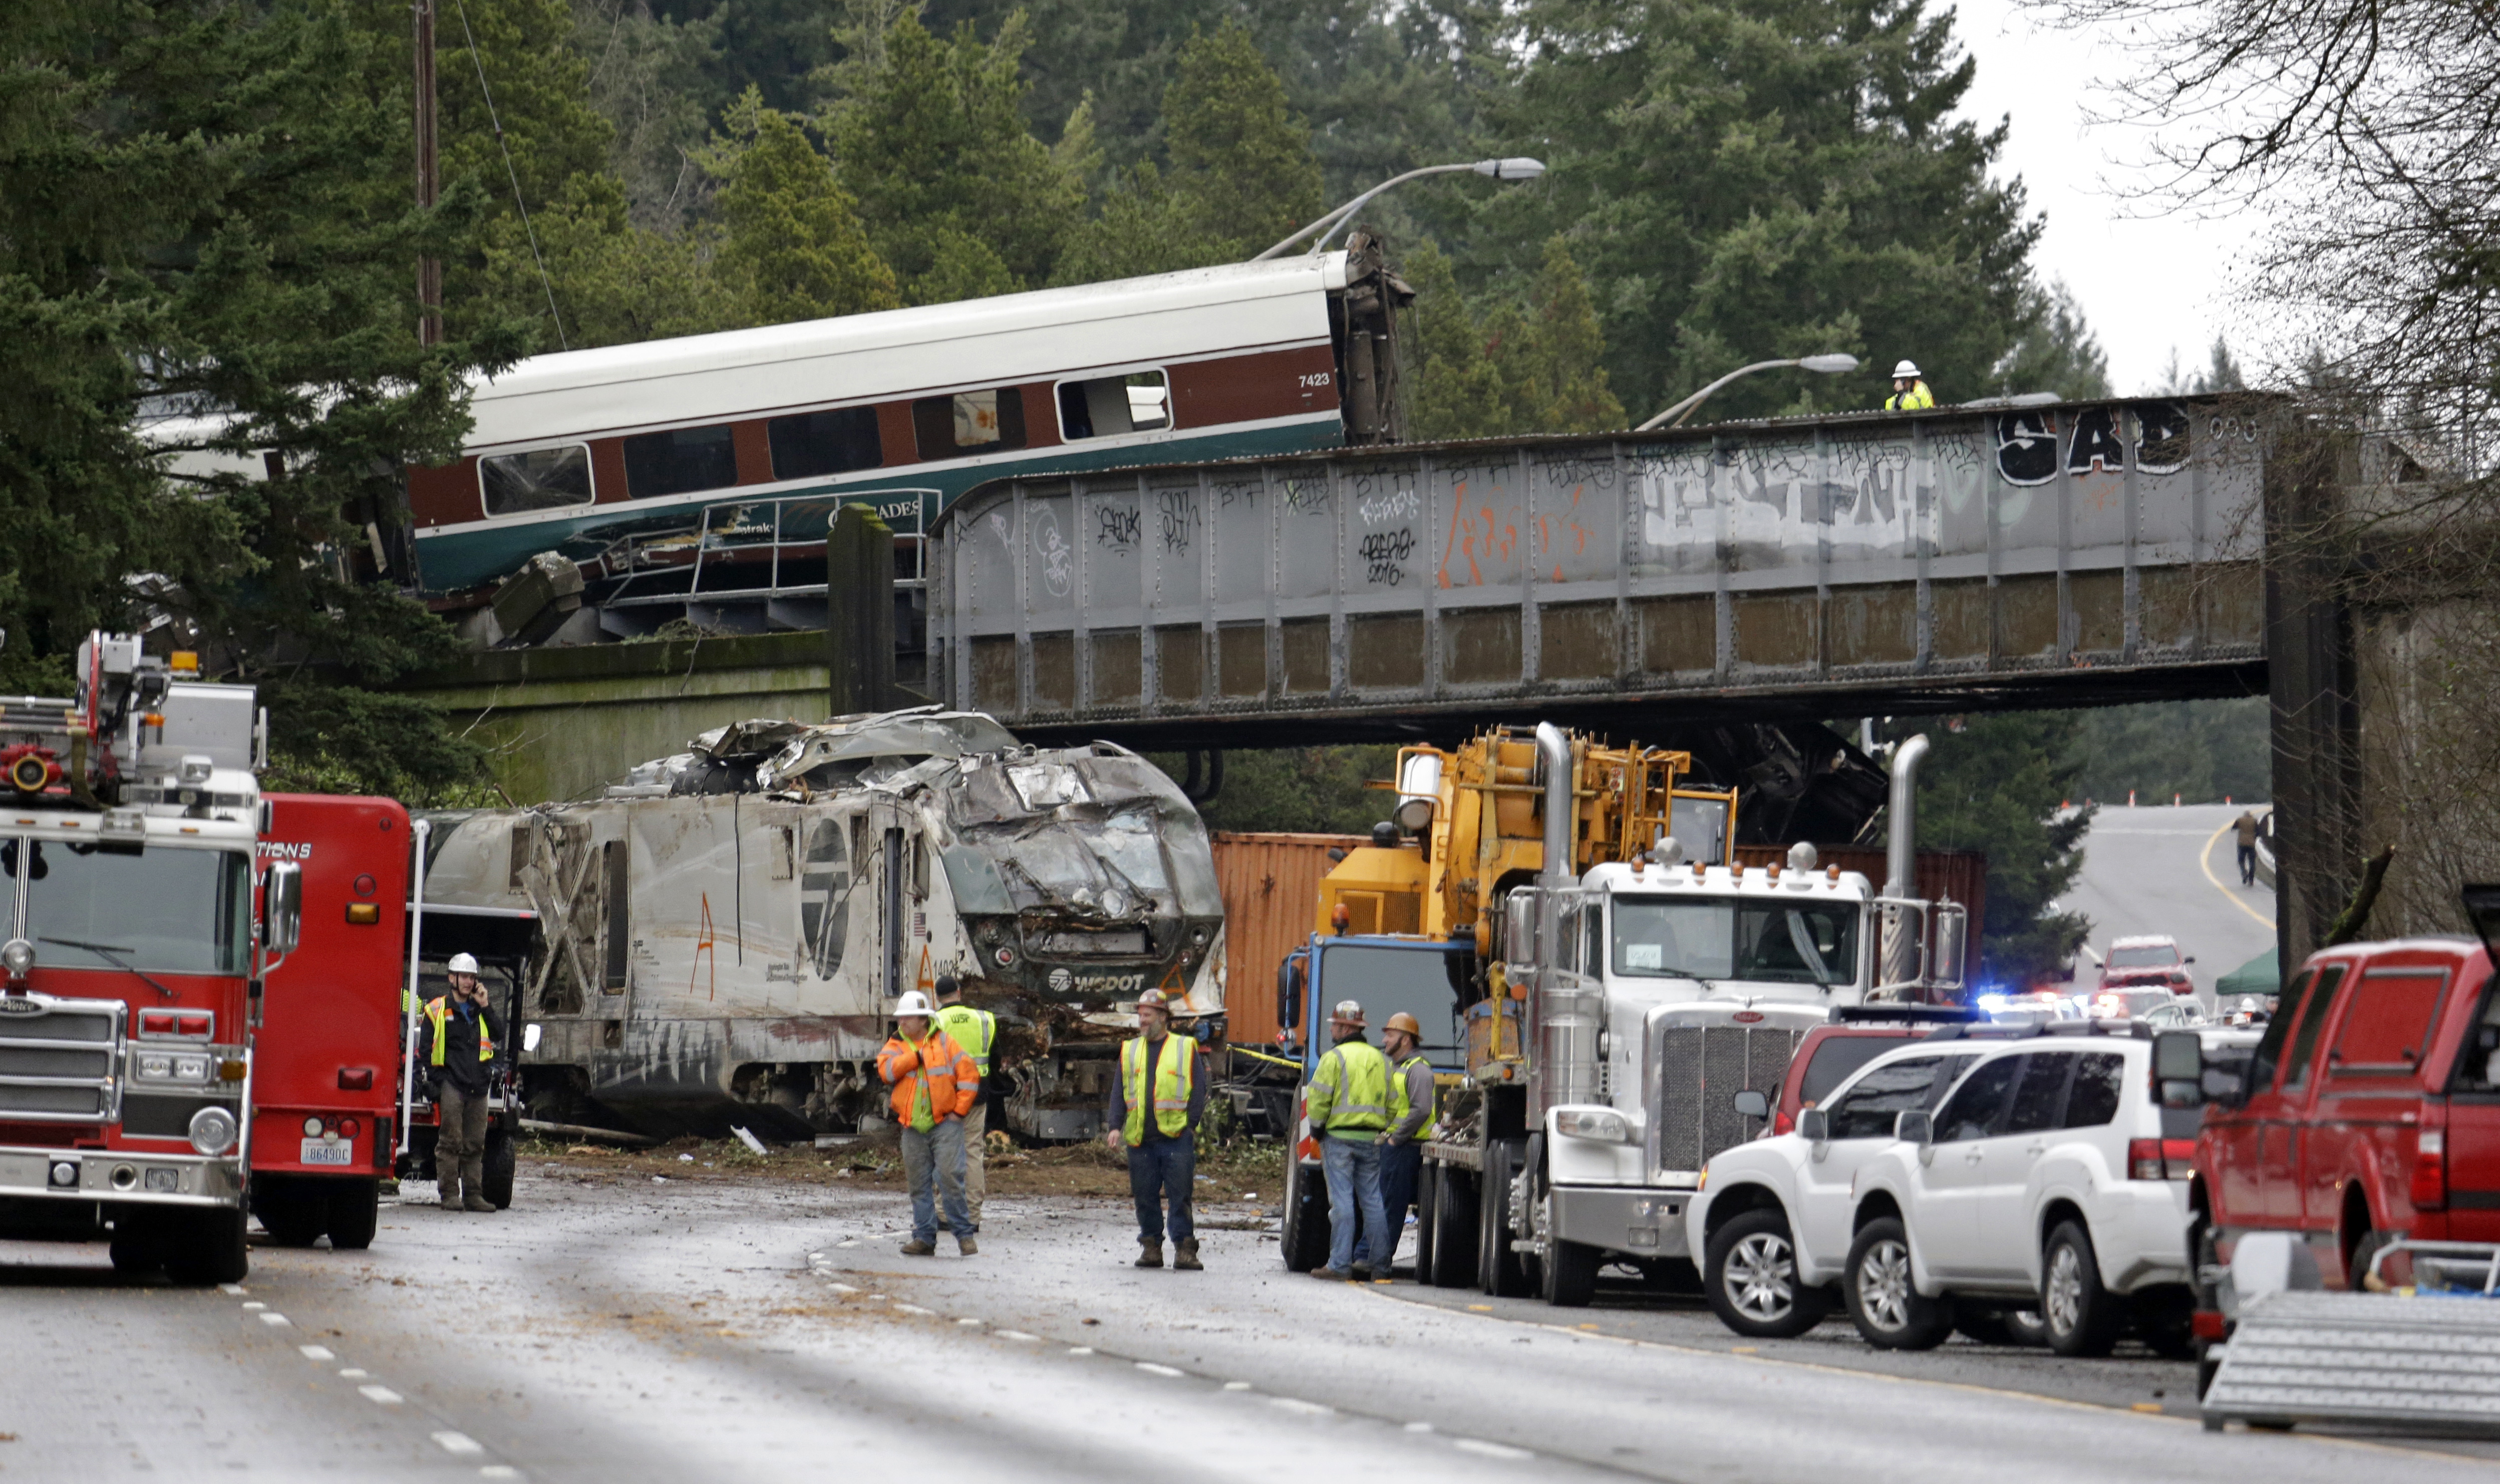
(322, 1152)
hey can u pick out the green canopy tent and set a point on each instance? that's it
(2261, 975)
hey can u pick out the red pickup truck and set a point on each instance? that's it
(2369, 1111)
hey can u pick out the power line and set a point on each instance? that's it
(518, 204)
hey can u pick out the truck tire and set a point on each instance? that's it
(2083, 1316)
(353, 1210)
(1498, 1269)
(1425, 1178)
(1749, 1274)
(208, 1248)
(1305, 1236)
(502, 1157)
(1454, 1228)
(289, 1212)
(1885, 1306)
(1568, 1274)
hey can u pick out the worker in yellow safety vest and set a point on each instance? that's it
(1347, 1106)
(1909, 393)
(974, 1031)
(456, 1045)
(1156, 1104)
(1411, 1121)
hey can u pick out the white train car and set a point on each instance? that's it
(644, 463)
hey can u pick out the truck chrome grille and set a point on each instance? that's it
(58, 1059)
(1701, 1068)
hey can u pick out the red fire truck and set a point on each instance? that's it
(139, 936)
(325, 1073)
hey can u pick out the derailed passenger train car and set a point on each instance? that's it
(724, 933)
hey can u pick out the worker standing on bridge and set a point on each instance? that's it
(1347, 1104)
(1411, 1123)
(1909, 393)
(455, 1042)
(974, 1031)
(1156, 1104)
(933, 1083)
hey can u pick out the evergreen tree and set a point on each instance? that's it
(1139, 227)
(1457, 394)
(649, 78)
(1998, 783)
(612, 283)
(796, 249)
(190, 224)
(1551, 355)
(2053, 350)
(936, 148)
(1235, 148)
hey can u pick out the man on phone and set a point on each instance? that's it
(456, 1045)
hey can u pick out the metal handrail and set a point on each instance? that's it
(708, 538)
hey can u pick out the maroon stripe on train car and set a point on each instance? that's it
(754, 451)
(1242, 389)
(894, 435)
(439, 497)
(1040, 415)
(607, 472)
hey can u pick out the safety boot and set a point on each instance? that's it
(1150, 1254)
(472, 1186)
(1185, 1256)
(966, 1246)
(915, 1248)
(448, 1188)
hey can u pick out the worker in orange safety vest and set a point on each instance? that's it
(934, 1085)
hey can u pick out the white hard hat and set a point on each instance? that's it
(1908, 370)
(462, 963)
(913, 1003)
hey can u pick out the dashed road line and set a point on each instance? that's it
(458, 1442)
(316, 1352)
(1151, 1369)
(381, 1396)
(274, 1319)
(1305, 1408)
(1015, 1335)
(1489, 1449)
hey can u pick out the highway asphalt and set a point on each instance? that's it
(2160, 869)
(618, 1328)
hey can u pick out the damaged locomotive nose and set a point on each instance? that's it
(721, 935)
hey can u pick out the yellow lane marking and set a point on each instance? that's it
(2205, 860)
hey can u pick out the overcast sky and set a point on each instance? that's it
(2147, 281)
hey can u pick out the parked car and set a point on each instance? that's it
(2132, 1003)
(2051, 1177)
(1831, 1053)
(2369, 1108)
(2149, 958)
(2040, 1007)
(1771, 1219)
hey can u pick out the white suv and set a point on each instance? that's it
(2050, 1176)
(1771, 1221)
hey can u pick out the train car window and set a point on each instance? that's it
(830, 443)
(679, 462)
(969, 423)
(540, 479)
(1139, 401)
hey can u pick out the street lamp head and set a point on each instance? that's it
(1831, 364)
(1517, 168)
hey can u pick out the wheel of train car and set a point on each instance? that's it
(1454, 1229)
(1307, 1218)
(291, 1214)
(502, 1157)
(1498, 1269)
(208, 1247)
(354, 1207)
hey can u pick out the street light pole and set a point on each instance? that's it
(1831, 364)
(1514, 169)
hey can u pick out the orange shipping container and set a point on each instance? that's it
(1271, 891)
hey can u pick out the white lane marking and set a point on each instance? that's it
(815, 1257)
(498, 1472)
(1419, 1427)
(273, 1320)
(843, 1288)
(1306, 1409)
(1151, 1369)
(913, 1309)
(354, 1374)
(1237, 1386)
(1080, 1350)
(459, 1442)
(1489, 1449)
(381, 1396)
(1014, 1334)
(254, 1304)
(316, 1352)
(233, 1290)
(972, 1324)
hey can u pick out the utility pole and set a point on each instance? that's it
(428, 269)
